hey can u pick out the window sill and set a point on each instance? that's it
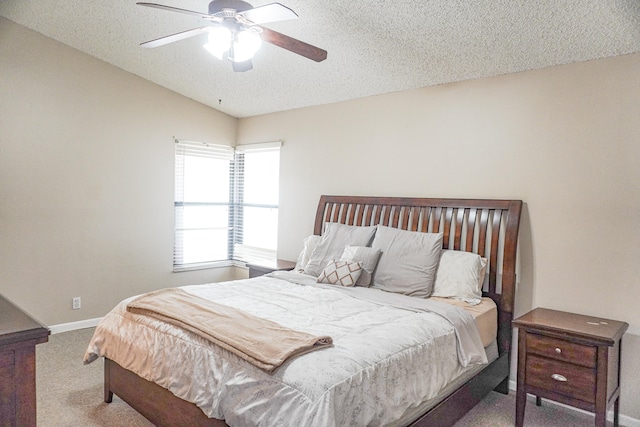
(207, 265)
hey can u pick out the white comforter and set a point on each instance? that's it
(384, 360)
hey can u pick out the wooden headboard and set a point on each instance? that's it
(486, 227)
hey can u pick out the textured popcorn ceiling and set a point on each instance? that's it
(374, 47)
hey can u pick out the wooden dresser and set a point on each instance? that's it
(19, 335)
(571, 359)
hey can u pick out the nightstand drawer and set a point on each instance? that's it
(583, 355)
(564, 378)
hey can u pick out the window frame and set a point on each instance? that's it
(236, 203)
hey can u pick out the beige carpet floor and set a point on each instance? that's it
(70, 394)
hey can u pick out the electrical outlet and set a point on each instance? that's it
(77, 303)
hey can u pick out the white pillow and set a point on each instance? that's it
(309, 244)
(408, 262)
(343, 273)
(460, 275)
(368, 257)
(336, 237)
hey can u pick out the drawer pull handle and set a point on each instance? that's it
(559, 377)
(558, 350)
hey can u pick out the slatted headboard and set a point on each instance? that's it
(486, 227)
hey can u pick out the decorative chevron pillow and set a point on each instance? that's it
(343, 273)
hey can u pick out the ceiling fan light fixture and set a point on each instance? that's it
(219, 41)
(245, 45)
(235, 33)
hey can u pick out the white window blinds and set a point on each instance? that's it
(226, 203)
(256, 203)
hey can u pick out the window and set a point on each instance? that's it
(226, 203)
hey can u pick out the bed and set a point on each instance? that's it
(486, 229)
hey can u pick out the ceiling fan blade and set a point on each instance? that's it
(269, 13)
(175, 37)
(242, 66)
(293, 45)
(176, 9)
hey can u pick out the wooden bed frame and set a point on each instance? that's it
(486, 227)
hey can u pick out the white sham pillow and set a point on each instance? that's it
(309, 244)
(367, 257)
(336, 237)
(408, 262)
(460, 275)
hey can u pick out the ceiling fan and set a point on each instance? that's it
(234, 33)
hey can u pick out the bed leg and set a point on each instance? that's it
(108, 394)
(503, 387)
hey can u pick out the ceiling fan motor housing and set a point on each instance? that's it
(217, 6)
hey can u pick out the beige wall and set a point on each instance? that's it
(86, 170)
(565, 139)
(86, 178)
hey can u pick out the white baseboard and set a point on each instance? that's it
(624, 420)
(72, 326)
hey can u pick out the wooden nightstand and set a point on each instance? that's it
(19, 335)
(571, 359)
(256, 270)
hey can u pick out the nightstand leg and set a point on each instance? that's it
(521, 393)
(521, 402)
(616, 407)
(538, 401)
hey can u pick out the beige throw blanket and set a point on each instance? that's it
(261, 342)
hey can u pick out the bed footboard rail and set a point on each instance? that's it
(154, 402)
